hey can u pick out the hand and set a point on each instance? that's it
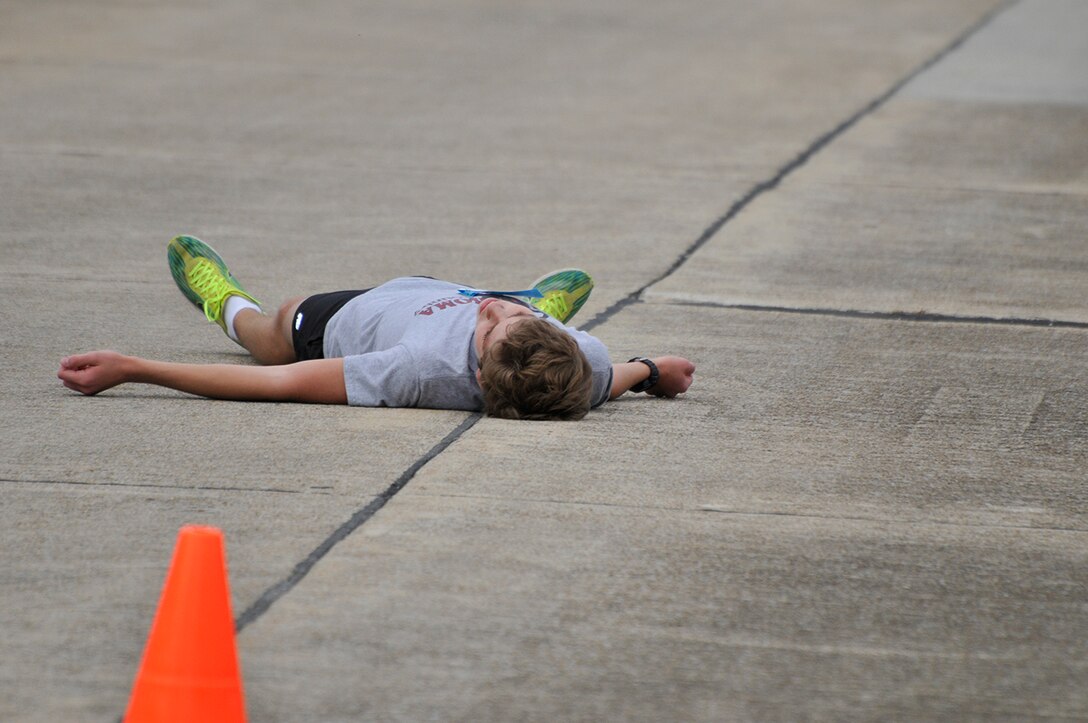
(94, 372)
(674, 376)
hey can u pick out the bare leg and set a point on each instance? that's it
(268, 338)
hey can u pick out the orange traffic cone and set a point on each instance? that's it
(190, 668)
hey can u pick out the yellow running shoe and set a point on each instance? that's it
(564, 292)
(203, 277)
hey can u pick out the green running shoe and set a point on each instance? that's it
(203, 277)
(565, 292)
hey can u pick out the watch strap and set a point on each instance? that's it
(649, 383)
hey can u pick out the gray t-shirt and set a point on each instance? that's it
(408, 343)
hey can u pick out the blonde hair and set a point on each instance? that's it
(536, 372)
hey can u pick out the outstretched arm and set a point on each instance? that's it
(675, 376)
(318, 380)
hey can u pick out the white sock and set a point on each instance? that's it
(231, 308)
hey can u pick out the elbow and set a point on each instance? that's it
(282, 386)
(315, 382)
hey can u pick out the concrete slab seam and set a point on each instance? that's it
(878, 520)
(798, 161)
(915, 316)
(281, 588)
(148, 485)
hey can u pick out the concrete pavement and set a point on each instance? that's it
(864, 222)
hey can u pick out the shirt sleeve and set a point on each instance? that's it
(597, 354)
(386, 378)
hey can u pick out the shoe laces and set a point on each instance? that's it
(554, 304)
(209, 282)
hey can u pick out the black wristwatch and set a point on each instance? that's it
(645, 384)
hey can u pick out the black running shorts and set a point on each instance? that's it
(311, 317)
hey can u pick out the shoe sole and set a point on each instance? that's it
(580, 301)
(181, 247)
